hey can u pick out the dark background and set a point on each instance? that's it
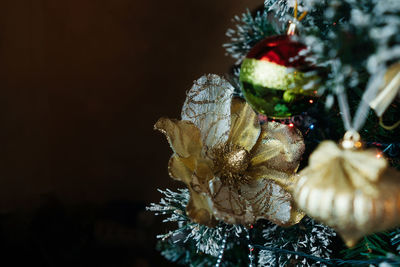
(82, 82)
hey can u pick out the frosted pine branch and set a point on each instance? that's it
(309, 237)
(248, 31)
(207, 240)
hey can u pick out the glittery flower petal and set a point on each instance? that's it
(245, 126)
(229, 206)
(202, 175)
(183, 136)
(208, 105)
(284, 179)
(199, 210)
(272, 202)
(279, 148)
(256, 200)
(296, 215)
(181, 169)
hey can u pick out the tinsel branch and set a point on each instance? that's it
(186, 242)
(249, 30)
(394, 260)
(191, 240)
(396, 239)
(308, 236)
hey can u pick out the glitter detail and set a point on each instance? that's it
(230, 164)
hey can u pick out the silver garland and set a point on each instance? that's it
(208, 240)
(309, 237)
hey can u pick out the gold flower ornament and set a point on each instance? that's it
(236, 170)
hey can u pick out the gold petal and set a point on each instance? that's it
(229, 206)
(284, 179)
(260, 199)
(272, 202)
(181, 169)
(245, 126)
(202, 175)
(279, 147)
(296, 215)
(183, 136)
(270, 149)
(198, 209)
(195, 173)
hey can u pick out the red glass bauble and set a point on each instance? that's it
(281, 50)
(273, 75)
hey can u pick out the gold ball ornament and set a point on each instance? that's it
(349, 189)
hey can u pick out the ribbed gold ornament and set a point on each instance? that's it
(349, 189)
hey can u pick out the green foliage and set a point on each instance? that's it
(249, 31)
(395, 239)
(309, 237)
(376, 247)
(370, 247)
(350, 42)
(193, 244)
(184, 254)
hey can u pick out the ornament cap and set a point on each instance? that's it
(292, 28)
(292, 24)
(351, 140)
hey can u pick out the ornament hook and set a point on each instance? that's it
(292, 24)
(388, 127)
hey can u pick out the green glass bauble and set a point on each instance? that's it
(272, 77)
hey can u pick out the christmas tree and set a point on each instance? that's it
(293, 158)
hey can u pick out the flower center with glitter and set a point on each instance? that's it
(230, 163)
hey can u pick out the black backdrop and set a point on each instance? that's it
(81, 84)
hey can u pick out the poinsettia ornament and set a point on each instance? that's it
(237, 170)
